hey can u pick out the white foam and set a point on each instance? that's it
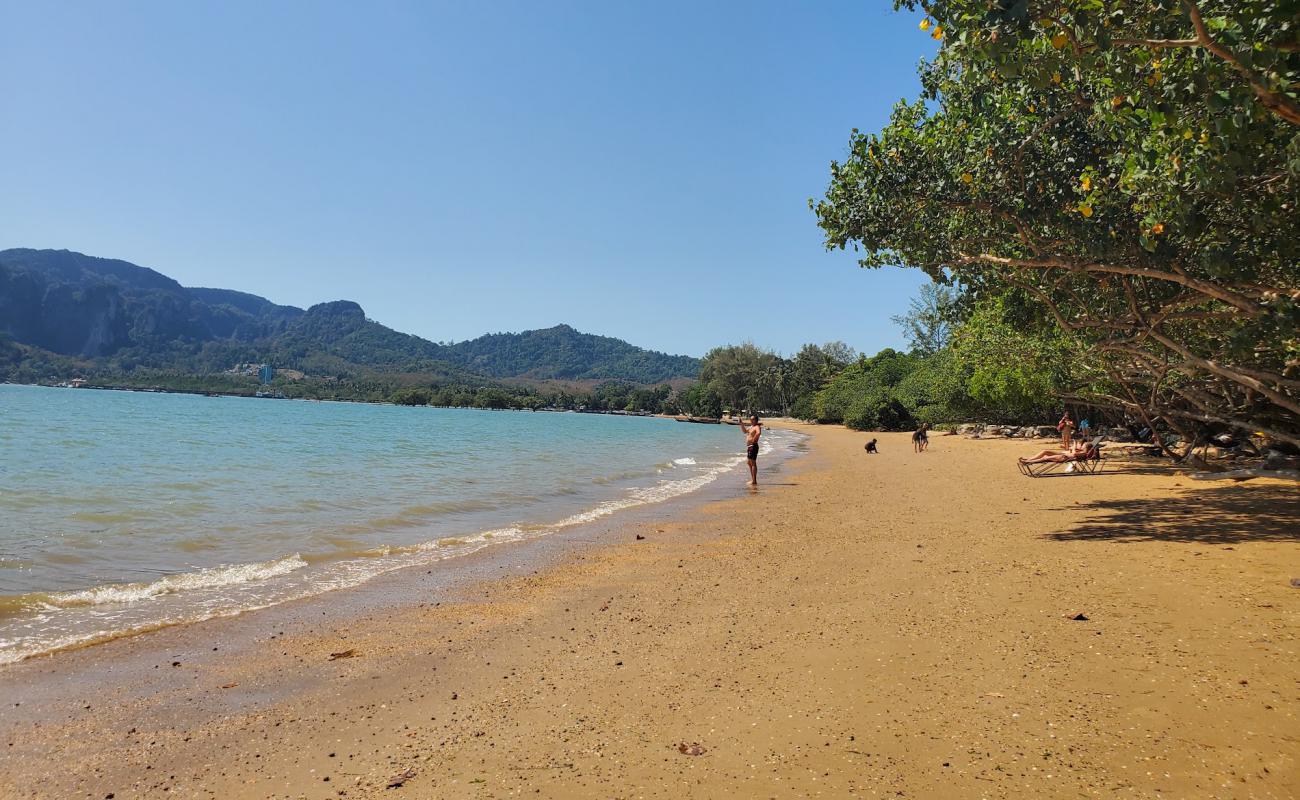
(213, 577)
(684, 462)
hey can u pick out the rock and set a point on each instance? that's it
(692, 749)
(1046, 431)
(401, 778)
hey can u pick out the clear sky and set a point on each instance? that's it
(635, 169)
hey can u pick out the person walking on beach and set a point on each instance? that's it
(752, 430)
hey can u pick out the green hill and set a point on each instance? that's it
(566, 354)
(74, 313)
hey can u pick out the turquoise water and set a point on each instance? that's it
(123, 511)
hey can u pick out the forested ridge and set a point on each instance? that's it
(64, 315)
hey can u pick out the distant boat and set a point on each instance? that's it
(700, 420)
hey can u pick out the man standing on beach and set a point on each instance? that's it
(752, 430)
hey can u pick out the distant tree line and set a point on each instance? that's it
(608, 396)
(968, 360)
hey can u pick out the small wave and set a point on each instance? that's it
(664, 490)
(440, 543)
(202, 579)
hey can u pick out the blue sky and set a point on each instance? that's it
(639, 170)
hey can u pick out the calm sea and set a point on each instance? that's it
(125, 511)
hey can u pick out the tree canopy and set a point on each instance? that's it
(1131, 168)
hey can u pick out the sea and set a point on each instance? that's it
(123, 512)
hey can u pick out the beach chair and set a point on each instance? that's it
(1089, 462)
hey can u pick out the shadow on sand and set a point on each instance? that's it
(1112, 469)
(1219, 515)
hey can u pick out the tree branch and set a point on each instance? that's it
(1207, 289)
(1255, 380)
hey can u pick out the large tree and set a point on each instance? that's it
(930, 319)
(1133, 167)
(744, 376)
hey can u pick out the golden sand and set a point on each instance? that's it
(898, 625)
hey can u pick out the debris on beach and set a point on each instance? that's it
(691, 749)
(349, 653)
(1079, 617)
(401, 778)
(229, 685)
(1295, 583)
(639, 537)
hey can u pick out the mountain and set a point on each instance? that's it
(73, 304)
(118, 317)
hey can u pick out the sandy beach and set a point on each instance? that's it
(901, 625)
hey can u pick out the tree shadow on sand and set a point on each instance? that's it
(1218, 515)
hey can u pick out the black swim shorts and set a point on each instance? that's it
(752, 452)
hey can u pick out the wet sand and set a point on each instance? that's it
(898, 625)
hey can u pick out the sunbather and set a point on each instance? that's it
(1077, 451)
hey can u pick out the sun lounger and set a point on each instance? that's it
(1088, 462)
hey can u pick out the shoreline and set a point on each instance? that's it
(593, 521)
(843, 634)
(39, 620)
